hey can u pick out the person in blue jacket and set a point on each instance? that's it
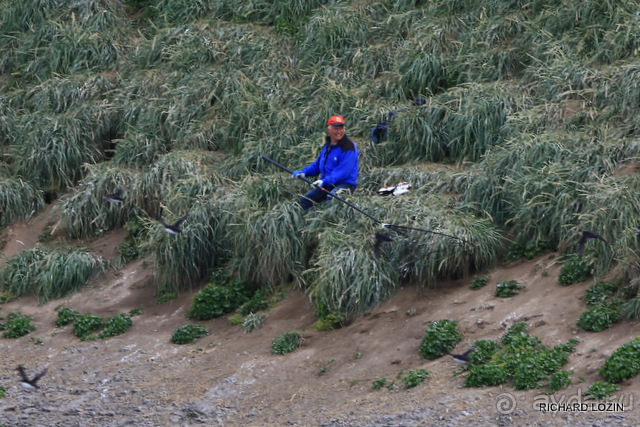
(337, 165)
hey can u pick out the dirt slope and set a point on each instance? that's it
(231, 378)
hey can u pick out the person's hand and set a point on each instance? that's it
(300, 175)
(317, 183)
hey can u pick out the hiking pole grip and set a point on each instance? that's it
(286, 169)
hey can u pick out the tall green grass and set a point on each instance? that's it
(49, 273)
(18, 200)
(50, 150)
(182, 261)
(84, 213)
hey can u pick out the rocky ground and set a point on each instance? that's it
(231, 378)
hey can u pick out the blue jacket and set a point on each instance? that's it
(336, 164)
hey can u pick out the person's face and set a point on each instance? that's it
(336, 132)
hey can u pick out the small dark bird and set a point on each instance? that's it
(380, 238)
(584, 237)
(462, 358)
(117, 197)
(175, 227)
(29, 384)
(637, 230)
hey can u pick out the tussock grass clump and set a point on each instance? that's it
(269, 244)
(177, 178)
(182, 11)
(18, 200)
(51, 150)
(84, 213)
(182, 260)
(49, 273)
(344, 274)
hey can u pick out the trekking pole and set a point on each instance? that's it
(326, 191)
(363, 212)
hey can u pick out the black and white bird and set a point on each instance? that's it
(175, 227)
(462, 358)
(29, 384)
(637, 230)
(117, 197)
(379, 239)
(585, 236)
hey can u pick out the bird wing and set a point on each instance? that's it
(23, 374)
(180, 221)
(468, 352)
(40, 375)
(586, 235)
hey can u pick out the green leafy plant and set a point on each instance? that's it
(624, 362)
(483, 352)
(441, 336)
(601, 390)
(17, 325)
(116, 325)
(379, 383)
(215, 300)
(255, 304)
(235, 319)
(85, 324)
(529, 248)
(599, 317)
(575, 270)
(188, 333)
(7, 296)
(486, 375)
(507, 288)
(328, 322)
(165, 296)
(479, 282)
(600, 291)
(65, 316)
(559, 380)
(523, 359)
(415, 377)
(286, 342)
(2, 392)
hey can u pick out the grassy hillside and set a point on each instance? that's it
(530, 129)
